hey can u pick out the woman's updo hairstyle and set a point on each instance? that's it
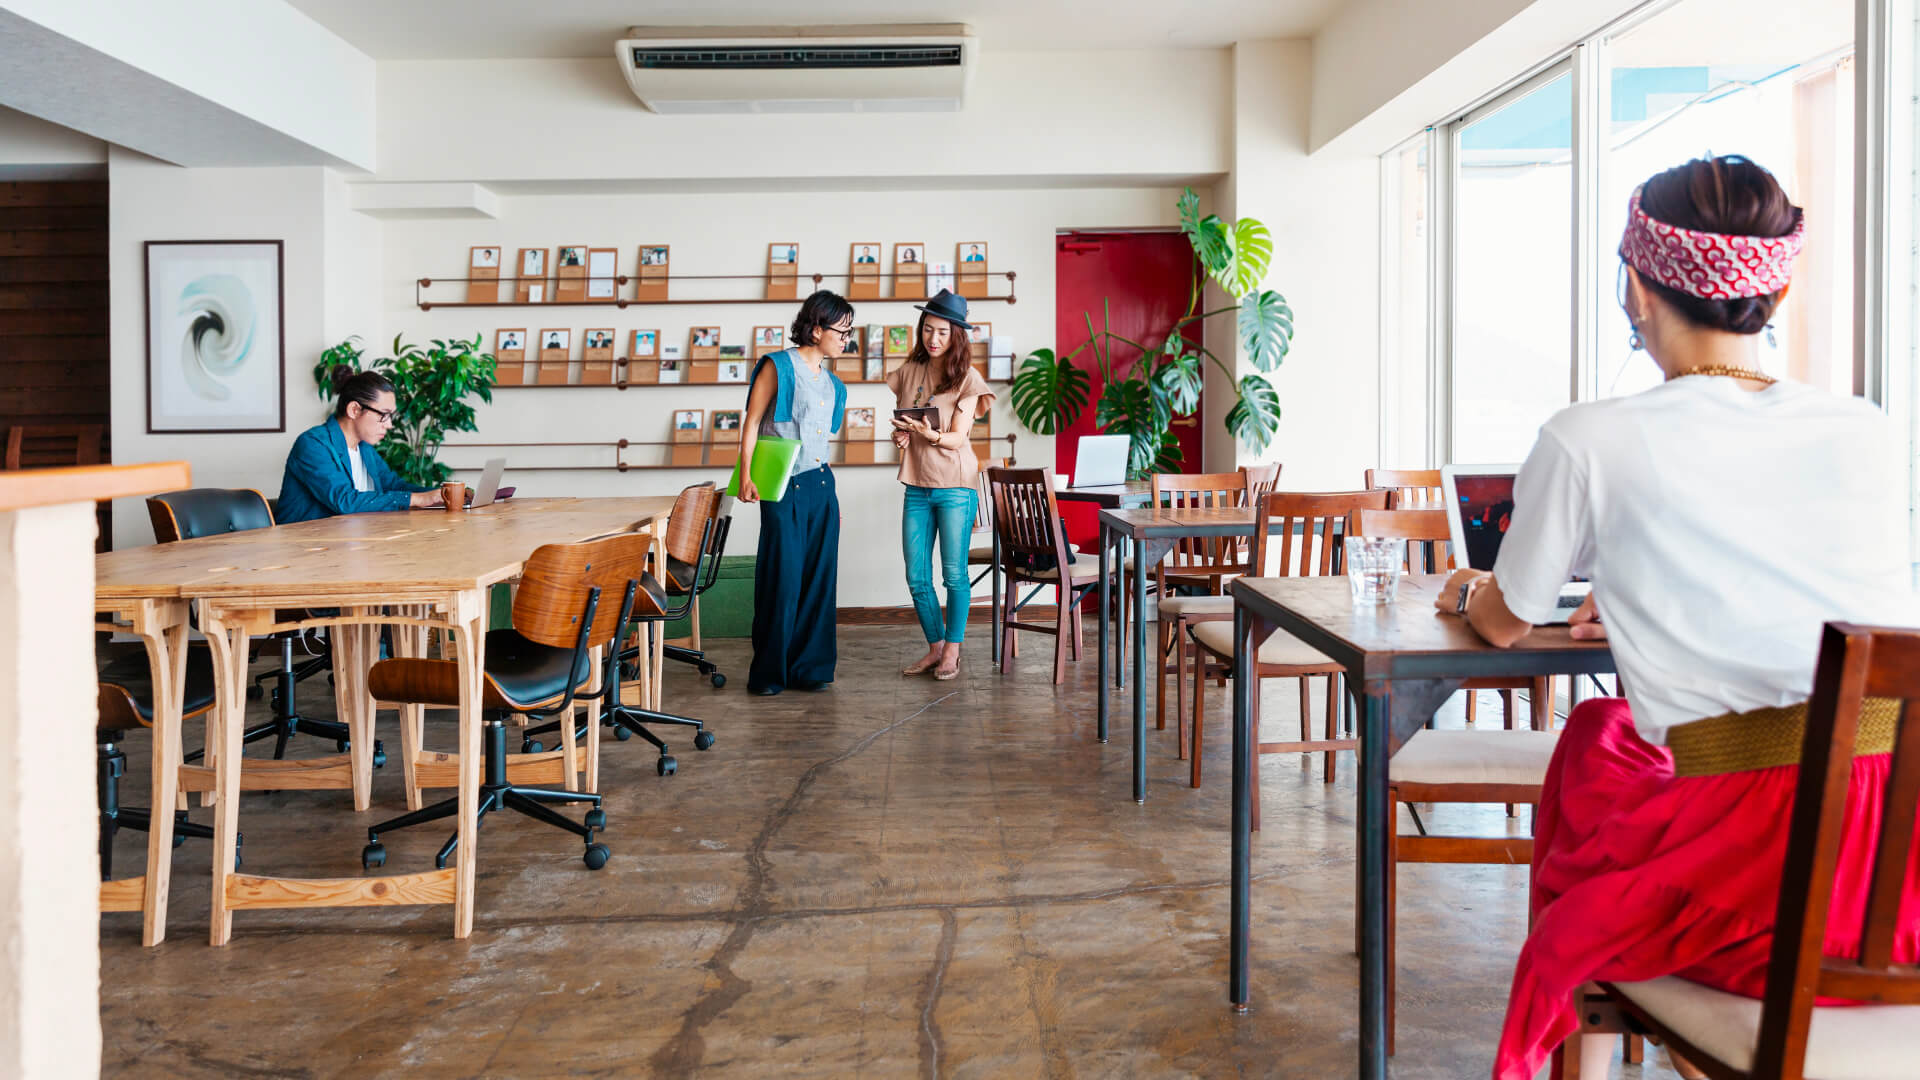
(350, 386)
(1729, 195)
(822, 309)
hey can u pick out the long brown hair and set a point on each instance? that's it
(950, 368)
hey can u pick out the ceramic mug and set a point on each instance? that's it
(454, 493)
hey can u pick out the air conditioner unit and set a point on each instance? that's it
(793, 69)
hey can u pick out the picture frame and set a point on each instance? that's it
(910, 271)
(688, 419)
(222, 382)
(856, 429)
(970, 257)
(723, 437)
(768, 339)
(530, 276)
(856, 342)
(703, 343)
(863, 270)
(643, 345)
(596, 356)
(556, 348)
(570, 274)
(687, 435)
(510, 356)
(899, 341)
(733, 371)
(654, 268)
(979, 340)
(483, 274)
(783, 270)
(603, 274)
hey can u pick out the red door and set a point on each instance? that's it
(1145, 278)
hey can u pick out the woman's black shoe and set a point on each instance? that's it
(812, 685)
(763, 691)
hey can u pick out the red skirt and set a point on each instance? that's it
(1638, 874)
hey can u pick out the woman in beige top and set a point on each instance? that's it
(938, 466)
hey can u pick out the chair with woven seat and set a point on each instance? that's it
(125, 699)
(537, 668)
(1027, 520)
(1786, 1035)
(197, 512)
(1307, 528)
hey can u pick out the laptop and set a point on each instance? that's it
(1101, 461)
(489, 482)
(1479, 505)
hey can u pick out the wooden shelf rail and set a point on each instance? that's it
(422, 285)
(620, 447)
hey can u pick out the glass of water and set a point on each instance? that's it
(1373, 568)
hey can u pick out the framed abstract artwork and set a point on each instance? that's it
(216, 336)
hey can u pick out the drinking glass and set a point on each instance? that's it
(1373, 568)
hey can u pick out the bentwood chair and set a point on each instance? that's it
(696, 538)
(197, 512)
(1307, 528)
(536, 668)
(1033, 546)
(126, 703)
(1865, 691)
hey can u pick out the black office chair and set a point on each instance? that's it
(126, 703)
(539, 667)
(197, 512)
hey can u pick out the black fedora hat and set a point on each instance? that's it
(947, 306)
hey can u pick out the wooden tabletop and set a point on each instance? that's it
(1131, 493)
(410, 550)
(23, 488)
(1408, 639)
(1156, 521)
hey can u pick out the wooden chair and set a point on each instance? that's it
(696, 536)
(1028, 521)
(126, 702)
(536, 668)
(1308, 528)
(53, 445)
(1412, 489)
(1785, 1036)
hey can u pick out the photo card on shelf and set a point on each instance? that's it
(703, 343)
(899, 341)
(673, 369)
(603, 273)
(856, 343)
(723, 437)
(483, 275)
(863, 272)
(1000, 358)
(978, 339)
(910, 271)
(769, 339)
(570, 274)
(510, 357)
(689, 432)
(783, 271)
(972, 259)
(856, 427)
(873, 371)
(733, 371)
(596, 356)
(652, 278)
(875, 339)
(555, 345)
(530, 273)
(644, 345)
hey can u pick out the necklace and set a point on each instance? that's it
(1730, 372)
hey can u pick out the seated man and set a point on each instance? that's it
(332, 468)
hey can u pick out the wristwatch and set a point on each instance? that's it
(1466, 591)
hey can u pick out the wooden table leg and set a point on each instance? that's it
(411, 642)
(163, 630)
(355, 704)
(470, 625)
(229, 645)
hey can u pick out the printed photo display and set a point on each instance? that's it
(556, 339)
(653, 256)
(909, 253)
(599, 339)
(573, 256)
(733, 371)
(783, 253)
(645, 342)
(486, 257)
(688, 419)
(859, 418)
(511, 339)
(899, 340)
(726, 419)
(705, 337)
(769, 337)
(866, 253)
(973, 253)
(533, 262)
(980, 333)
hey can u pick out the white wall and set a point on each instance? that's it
(728, 234)
(33, 149)
(151, 200)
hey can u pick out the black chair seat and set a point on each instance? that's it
(126, 688)
(519, 674)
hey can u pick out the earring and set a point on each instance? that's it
(1635, 342)
(1772, 342)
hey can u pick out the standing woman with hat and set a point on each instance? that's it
(938, 466)
(795, 395)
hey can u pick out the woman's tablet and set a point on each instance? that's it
(928, 413)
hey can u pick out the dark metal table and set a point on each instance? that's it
(1107, 496)
(1406, 659)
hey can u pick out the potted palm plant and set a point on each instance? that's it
(431, 386)
(1145, 384)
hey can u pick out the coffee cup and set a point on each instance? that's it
(454, 493)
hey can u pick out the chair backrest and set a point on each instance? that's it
(1025, 514)
(183, 515)
(557, 578)
(1203, 556)
(1306, 528)
(1425, 529)
(1411, 488)
(687, 528)
(983, 516)
(1857, 664)
(49, 446)
(1261, 480)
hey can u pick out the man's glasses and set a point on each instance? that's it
(384, 414)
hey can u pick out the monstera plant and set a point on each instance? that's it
(1146, 383)
(431, 386)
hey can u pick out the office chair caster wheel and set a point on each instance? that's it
(341, 746)
(718, 680)
(379, 755)
(532, 746)
(703, 741)
(666, 766)
(374, 855)
(620, 732)
(596, 819)
(178, 840)
(596, 856)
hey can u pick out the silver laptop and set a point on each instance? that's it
(1101, 461)
(1479, 506)
(489, 481)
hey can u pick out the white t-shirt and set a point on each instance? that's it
(1721, 529)
(359, 468)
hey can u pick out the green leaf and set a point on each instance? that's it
(1213, 244)
(1180, 379)
(1252, 251)
(1131, 407)
(1255, 417)
(1048, 393)
(1170, 458)
(1266, 328)
(1189, 206)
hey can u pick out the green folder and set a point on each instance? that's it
(773, 459)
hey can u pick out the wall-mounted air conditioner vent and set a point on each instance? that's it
(799, 69)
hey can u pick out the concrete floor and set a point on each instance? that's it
(896, 877)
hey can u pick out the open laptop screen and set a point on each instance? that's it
(1485, 506)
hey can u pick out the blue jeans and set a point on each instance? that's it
(946, 515)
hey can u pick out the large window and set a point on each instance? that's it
(1405, 432)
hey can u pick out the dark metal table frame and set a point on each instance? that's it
(1400, 688)
(1131, 493)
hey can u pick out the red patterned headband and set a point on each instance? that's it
(1711, 266)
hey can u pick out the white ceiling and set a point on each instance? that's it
(495, 29)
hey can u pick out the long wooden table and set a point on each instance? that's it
(1405, 659)
(413, 570)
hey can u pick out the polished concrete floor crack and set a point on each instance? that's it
(929, 1020)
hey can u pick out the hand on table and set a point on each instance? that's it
(1585, 623)
(1448, 601)
(426, 500)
